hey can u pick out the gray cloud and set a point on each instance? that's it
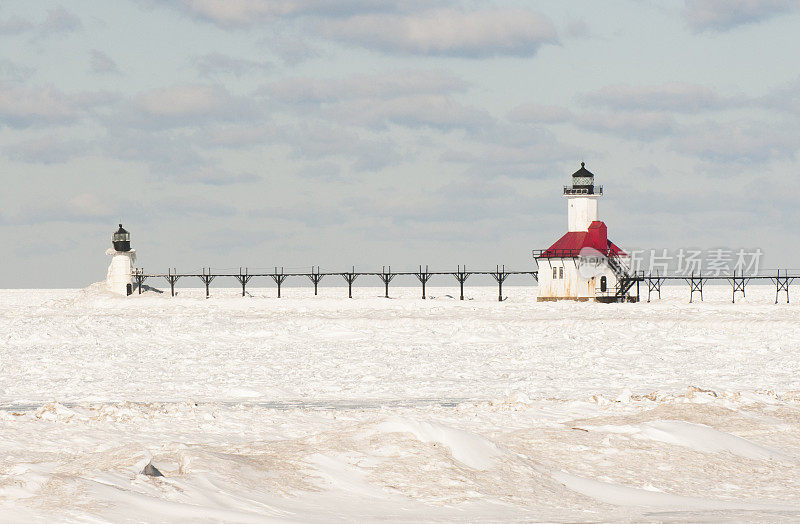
(15, 25)
(47, 150)
(577, 28)
(672, 96)
(100, 62)
(246, 13)
(513, 151)
(60, 20)
(291, 47)
(320, 141)
(397, 83)
(237, 135)
(95, 208)
(187, 105)
(785, 99)
(435, 111)
(636, 124)
(738, 143)
(640, 125)
(407, 98)
(212, 175)
(540, 114)
(22, 106)
(25, 106)
(328, 171)
(83, 207)
(723, 15)
(170, 156)
(451, 32)
(217, 64)
(11, 71)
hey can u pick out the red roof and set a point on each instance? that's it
(571, 244)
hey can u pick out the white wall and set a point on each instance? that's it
(573, 284)
(119, 271)
(582, 211)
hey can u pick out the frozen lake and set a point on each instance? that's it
(324, 409)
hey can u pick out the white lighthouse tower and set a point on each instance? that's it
(119, 279)
(584, 264)
(582, 197)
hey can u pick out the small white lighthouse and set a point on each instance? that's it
(584, 264)
(582, 199)
(119, 279)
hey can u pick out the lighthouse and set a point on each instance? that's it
(118, 279)
(584, 264)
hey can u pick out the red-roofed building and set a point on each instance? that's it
(584, 264)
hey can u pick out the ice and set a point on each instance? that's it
(704, 438)
(468, 448)
(320, 409)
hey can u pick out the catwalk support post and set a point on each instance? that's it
(386, 277)
(172, 277)
(423, 278)
(207, 278)
(350, 278)
(315, 277)
(243, 279)
(278, 278)
(462, 276)
(737, 284)
(695, 284)
(500, 276)
(782, 284)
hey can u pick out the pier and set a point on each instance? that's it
(315, 276)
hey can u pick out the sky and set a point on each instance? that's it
(246, 133)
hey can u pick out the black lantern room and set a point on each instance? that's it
(583, 183)
(121, 240)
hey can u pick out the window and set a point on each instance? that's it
(603, 284)
(561, 272)
(555, 273)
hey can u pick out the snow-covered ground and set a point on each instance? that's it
(327, 409)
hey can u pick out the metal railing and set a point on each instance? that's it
(595, 190)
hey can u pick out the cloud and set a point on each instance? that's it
(14, 72)
(394, 84)
(15, 25)
(739, 143)
(320, 141)
(645, 125)
(512, 150)
(723, 15)
(236, 135)
(162, 152)
(60, 20)
(26, 106)
(785, 99)
(291, 47)
(635, 123)
(577, 28)
(170, 155)
(407, 98)
(540, 114)
(187, 105)
(327, 171)
(451, 32)
(245, 13)
(672, 96)
(435, 111)
(47, 150)
(214, 176)
(102, 63)
(83, 207)
(216, 64)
